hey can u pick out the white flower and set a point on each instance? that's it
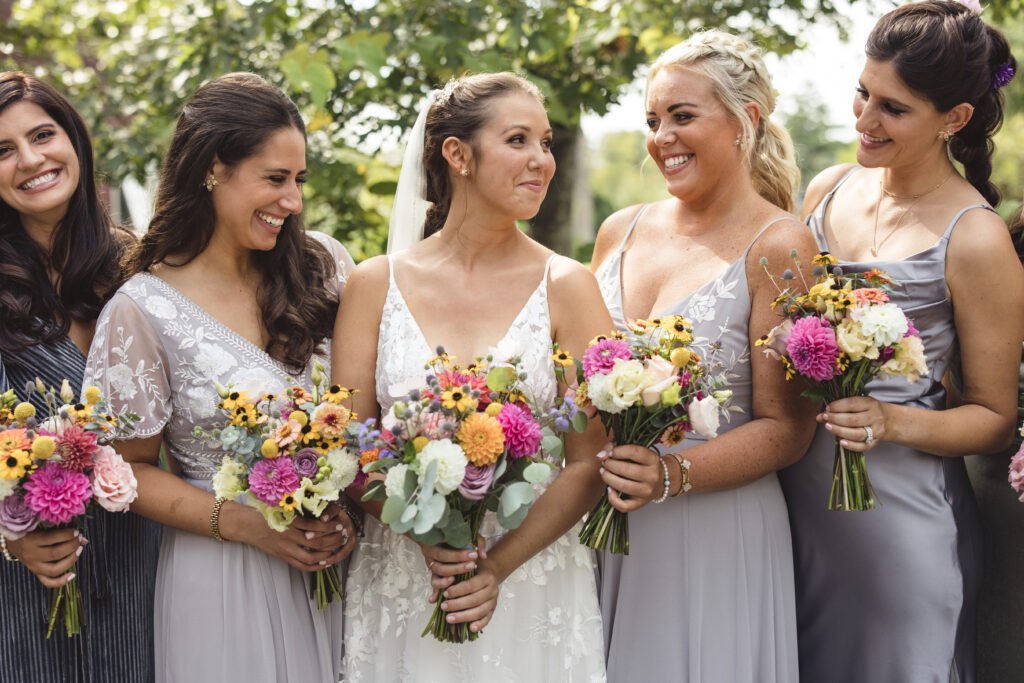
(344, 466)
(507, 349)
(212, 360)
(122, 382)
(884, 322)
(7, 487)
(227, 483)
(620, 388)
(854, 343)
(908, 361)
(277, 518)
(451, 464)
(394, 482)
(114, 485)
(660, 375)
(253, 381)
(201, 401)
(161, 307)
(314, 497)
(704, 417)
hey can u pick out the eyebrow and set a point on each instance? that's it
(677, 105)
(521, 127)
(33, 131)
(285, 171)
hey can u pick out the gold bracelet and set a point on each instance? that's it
(684, 475)
(218, 503)
(6, 552)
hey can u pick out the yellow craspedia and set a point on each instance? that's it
(43, 447)
(481, 438)
(270, 449)
(299, 416)
(92, 395)
(420, 442)
(493, 409)
(680, 357)
(24, 411)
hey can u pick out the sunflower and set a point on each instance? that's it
(481, 439)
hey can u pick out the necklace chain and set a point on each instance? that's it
(875, 244)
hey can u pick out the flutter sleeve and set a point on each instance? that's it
(127, 361)
(342, 259)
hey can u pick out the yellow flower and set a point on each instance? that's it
(493, 409)
(331, 420)
(299, 416)
(680, 357)
(80, 412)
(457, 399)
(245, 416)
(337, 394)
(562, 358)
(481, 438)
(309, 435)
(24, 411)
(234, 399)
(14, 464)
(92, 395)
(824, 259)
(289, 501)
(270, 449)
(679, 327)
(420, 442)
(13, 440)
(43, 447)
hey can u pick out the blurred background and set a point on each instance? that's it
(359, 70)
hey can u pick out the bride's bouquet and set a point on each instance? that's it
(287, 456)
(1016, 477)
(468, 441)
(648, 387)
(50, 471)
(839, 336)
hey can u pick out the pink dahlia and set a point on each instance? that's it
(522, 433)
(272, 478)
(813, 349)
(600, 357)
(1016, 477)
(56, 494)
(76, 448)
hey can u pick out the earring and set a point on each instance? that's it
(739, 140)
(210, 182)
(945, 135)
(464, 172)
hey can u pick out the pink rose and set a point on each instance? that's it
(113, 482)
(661, 374)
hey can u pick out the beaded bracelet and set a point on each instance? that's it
(218, 503)
(665, 481)
(6, 552)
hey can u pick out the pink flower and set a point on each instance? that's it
(477, 481)
(1016, 477)
(869, 295)
(272, 478)
(76, 448)
(522, 433)
(56, 494)
(813, 349)
(113, 482)
(600, 357)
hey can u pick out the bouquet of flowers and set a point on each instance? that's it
(50, 471)
(648, 387)
(467, 442)
(287, 457)
(839, 336)
(1016, 477)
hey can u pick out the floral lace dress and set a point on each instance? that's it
(223, 611)
(547, 626)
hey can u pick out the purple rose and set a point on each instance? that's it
(306, 463)
(16, 517)
(477, 481)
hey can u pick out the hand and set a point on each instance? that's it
(308, 544)
(633, 475)
(50, 555)
(444, 564)
(850, 418)
(473, 600)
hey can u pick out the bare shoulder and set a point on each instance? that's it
(780, 241)
(821, 185)
(612, 232)
(369, 279)
(980, 242)
(568, 277)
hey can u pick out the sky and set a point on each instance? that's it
(827, 67)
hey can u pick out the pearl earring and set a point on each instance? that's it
(210, 182)
(464, 172)
(739, 140)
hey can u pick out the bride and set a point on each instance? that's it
(474, 283)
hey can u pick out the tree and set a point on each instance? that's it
(811, 131)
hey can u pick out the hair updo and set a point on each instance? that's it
(460, 110)
(739, 77)
(945, 52)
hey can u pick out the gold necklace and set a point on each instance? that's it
(875, 244)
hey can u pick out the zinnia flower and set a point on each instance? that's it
(522, 433)
(813, 349)
(674, 435)
(331, 419)
(57, 494)
(869, 295)
(270, 480)
(481, 438)
(75, 446)
(14, 440)
(600, 357)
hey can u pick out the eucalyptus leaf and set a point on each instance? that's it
(515, 519)
(501, 378)
(514, 496)
(375, 491)
(393, 510)
(409, 513)
(553, 445)
(537, 472)
(580, 421)
(429, 514)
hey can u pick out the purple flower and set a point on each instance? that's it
(911, 330)
(477, 481)
(271, 479)
(57, 495)
(813, 349)
(600, 357)
(16, 517)
(305, 463)
(886, 354)
(522, 433)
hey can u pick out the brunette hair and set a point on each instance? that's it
(85, 251)
(230, 119)
(945, 52)
(739, 77)
(460, 110)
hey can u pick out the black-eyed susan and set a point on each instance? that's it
(457, 399)
(289, 501)
(563, 358)
(824, 259)
(14, 464)
(336, 394)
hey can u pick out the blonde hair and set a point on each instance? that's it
(739, 77)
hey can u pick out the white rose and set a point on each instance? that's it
(884, 322)
(344, 467)
(659, 376)
(451, 464)
(394, 482)
(775, 345)
(620, 388)
(227, 483)
(704, 417)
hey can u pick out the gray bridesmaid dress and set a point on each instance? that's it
(706, 593)
(889, 595)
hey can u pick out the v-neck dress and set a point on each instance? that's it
(706, 592)
(889, 595)
(223, 611)
(547, 626)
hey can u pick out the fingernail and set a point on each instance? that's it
(78, 553)
(77, 533)
(71, 577)
(444, 606)
(344, 538)
(471, 566)
(339, 527)
(323, 563)
(828, 426)
(324, 518)
(609, 489)
(445, 594)
(309, 535)
(83, 540)
(473, 555)
(601, 470)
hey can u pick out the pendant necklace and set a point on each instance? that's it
(875, 244)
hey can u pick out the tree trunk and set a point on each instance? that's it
(553, 225)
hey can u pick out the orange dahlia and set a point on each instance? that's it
(481, 438)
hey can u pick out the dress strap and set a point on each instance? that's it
(632, 226)
(762, 231)
(960, 214)
(391, 272)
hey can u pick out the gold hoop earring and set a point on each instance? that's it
(210, 182)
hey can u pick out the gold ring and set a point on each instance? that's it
(430, 567)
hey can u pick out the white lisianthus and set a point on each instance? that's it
(227, 483)
(854, 343)
(619, 389)
(908, 361)
(451, 464)
(704, 417)
(344, 466)
(277, 519)
(314, 497)
(394, 482)
(885, 323)
(659, 376)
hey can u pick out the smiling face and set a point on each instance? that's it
(512, 164)
(252, 200)
(898, 128)
(690, 136)
(39, 169)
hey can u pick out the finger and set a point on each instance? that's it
(635, 453)
(54, 553)
(624, 504)
(470, 613)
(627, 486)
(462, 588)
(478, 626)
(627, 469)
(439, 583)
(450, 555)
(329, 542)
(854, 404)
(52, 537)
(56, 582)
(856, 446)
(856, 434)
(59, 568)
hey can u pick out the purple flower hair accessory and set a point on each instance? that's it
(1003, 75)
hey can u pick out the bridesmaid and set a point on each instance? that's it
(712, 567)
(59, 256)
(228, 288)
(890, 594)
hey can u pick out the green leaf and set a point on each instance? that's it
(409, 513)
(430, 514)
(378, 465)
(515, 519)
(500, 468)
(537, 472)
(553, 445)
(375, 491)
(580, 421)
(519, 494)
(394, 508)
(457, 532)
(385, 188)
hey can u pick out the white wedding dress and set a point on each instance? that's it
(547, 625)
